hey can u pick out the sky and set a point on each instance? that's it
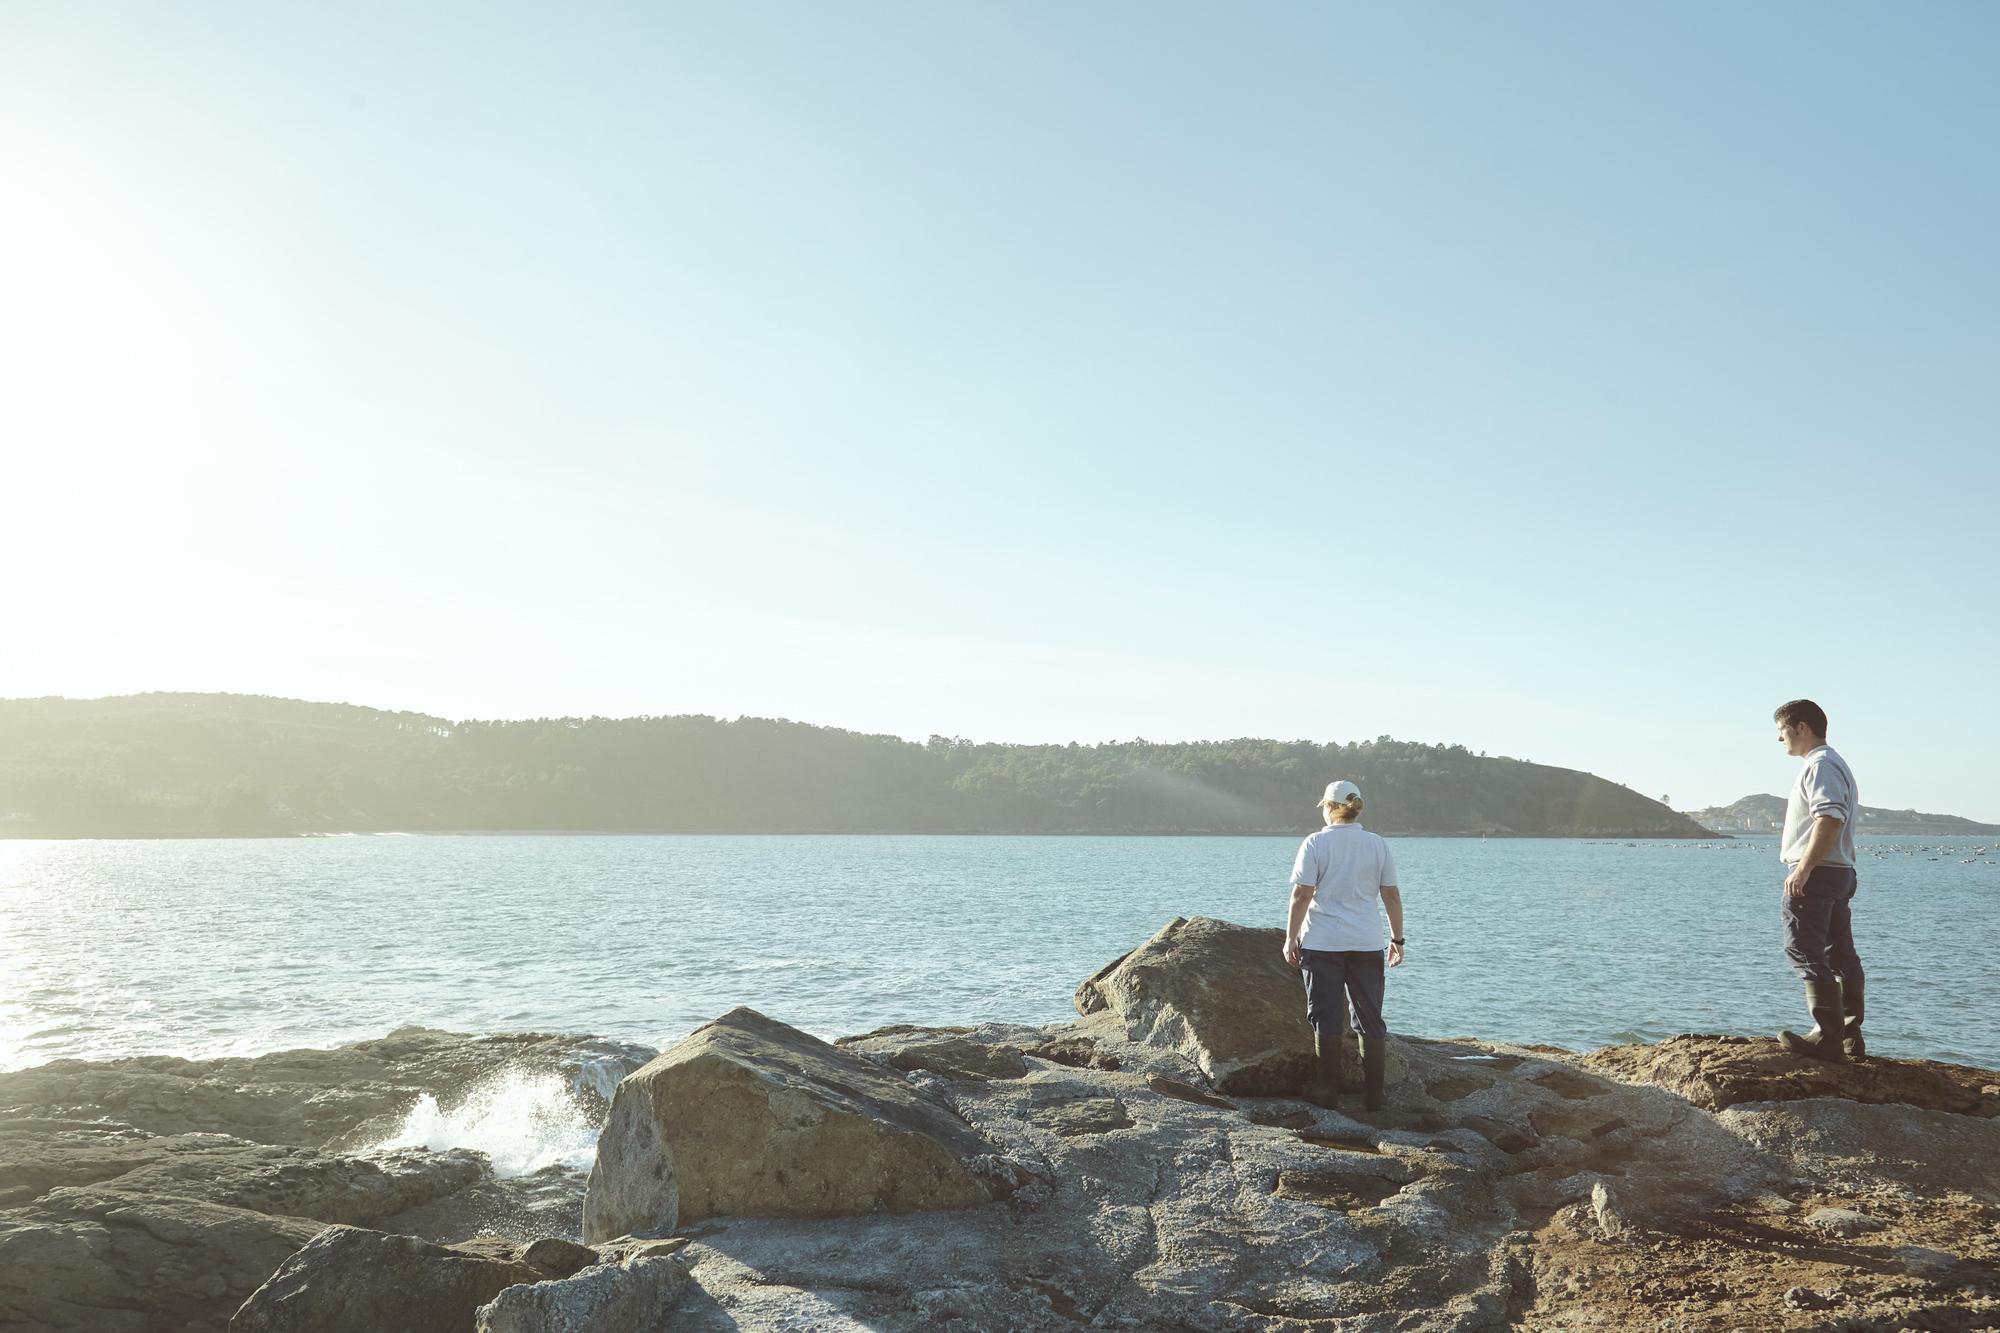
(1568, 381)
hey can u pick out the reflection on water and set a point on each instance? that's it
(237, 947)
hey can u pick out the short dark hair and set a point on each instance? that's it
(1802, 713)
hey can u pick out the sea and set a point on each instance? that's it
(201, 948)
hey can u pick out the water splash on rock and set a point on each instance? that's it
(523, 1121)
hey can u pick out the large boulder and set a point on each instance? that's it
(1221, 996)
(750, 1117)
(347, 1280)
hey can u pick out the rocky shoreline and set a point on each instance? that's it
(1145, 1166)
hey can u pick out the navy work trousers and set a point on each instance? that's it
(1332, 979)
(1819, 928)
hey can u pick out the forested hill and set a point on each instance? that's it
(218, 764)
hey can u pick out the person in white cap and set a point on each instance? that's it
(1334, 938)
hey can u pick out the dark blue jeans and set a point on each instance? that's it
(1334, 978)
(1819, 928)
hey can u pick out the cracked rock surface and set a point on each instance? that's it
(1704, 1183)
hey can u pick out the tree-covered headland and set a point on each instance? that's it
(173, 765)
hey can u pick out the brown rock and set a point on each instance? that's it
(641, 1247)
(1718, 1072)
(634, 1247)
(555, 1257)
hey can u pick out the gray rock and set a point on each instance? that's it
(303, 1182)
(305, 1097)
(947, 1052)
(546, 1203)
(1922, 1261)
(1610, 1211)
(1843, 1221)
(1220, 996)
(95, 1260)
(347, 1280)
(627, 1297)
(1852, 1145)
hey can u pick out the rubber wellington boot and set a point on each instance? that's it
(1374, 1066)
(1323, 1088)
(1823, 1042)
(1850, 999)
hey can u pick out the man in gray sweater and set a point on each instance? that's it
(1818, 852)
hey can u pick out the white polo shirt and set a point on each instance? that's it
(1346, 867)
(1825, 786)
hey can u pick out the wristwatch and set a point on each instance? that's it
(1397, 940)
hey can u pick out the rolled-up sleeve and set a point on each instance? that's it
(1303, 869)
(1826, 792)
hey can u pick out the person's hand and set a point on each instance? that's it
(1292, 958)
(1795, 883)
(1395, 955)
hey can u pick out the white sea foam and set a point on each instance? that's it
(523, 1122)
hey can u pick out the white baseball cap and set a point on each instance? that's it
(1340, 792)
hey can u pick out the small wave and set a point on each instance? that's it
(524, 1122)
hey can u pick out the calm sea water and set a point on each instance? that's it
(203, 948)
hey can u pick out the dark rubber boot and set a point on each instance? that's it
(1323, 1088)
(1850, 999)
(1829, 1021)
(1374, 1066)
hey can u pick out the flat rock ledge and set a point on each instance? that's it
(1716, 1073)
(159, 1193)
(1125, 1180)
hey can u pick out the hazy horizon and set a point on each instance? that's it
(1573, 383)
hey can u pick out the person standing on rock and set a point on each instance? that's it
(1334, 937)
(1818, 852)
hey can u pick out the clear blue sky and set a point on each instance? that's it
(1571, 381)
